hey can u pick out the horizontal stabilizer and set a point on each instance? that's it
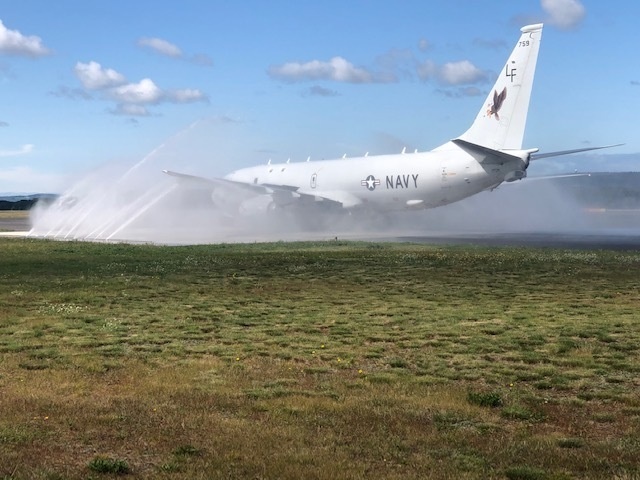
(553, 177)
(489, 155)
(538, 156)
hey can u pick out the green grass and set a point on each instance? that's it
(318, 360)
(109, 465)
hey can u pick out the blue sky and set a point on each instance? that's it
(211, 86)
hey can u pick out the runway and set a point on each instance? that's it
(14, 224)
(612, 234)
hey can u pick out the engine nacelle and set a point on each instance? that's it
(515, 175)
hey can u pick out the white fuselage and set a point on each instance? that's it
(488, 153)
(384, 182)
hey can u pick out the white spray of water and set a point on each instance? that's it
(141, 204)
(105, 202)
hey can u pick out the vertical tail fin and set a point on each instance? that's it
(502, 118)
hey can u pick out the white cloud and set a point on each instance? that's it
(131, 98)
(94, 77)
(130, 110)
(169, 49)
(564, 14)
(161, 46)
(460, 73)
(143, 92)
(25, 149)
(147, 93)
(185, 95)
(13, 42)
(390, 67)
(337, 69)
(451, 74)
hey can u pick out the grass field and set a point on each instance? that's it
(318, 360)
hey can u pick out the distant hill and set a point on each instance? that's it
(23, 202)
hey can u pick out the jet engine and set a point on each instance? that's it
(515, 175)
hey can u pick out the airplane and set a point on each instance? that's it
(488, 154)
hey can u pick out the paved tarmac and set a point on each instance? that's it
(15, 224)
(613, 235)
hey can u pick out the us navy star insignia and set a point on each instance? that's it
(370, 182)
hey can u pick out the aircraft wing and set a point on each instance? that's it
(343, 199)
(281, 194)
(218, 183)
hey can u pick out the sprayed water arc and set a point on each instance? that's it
(139, 203)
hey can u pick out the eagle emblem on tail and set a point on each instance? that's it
(498, 100)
